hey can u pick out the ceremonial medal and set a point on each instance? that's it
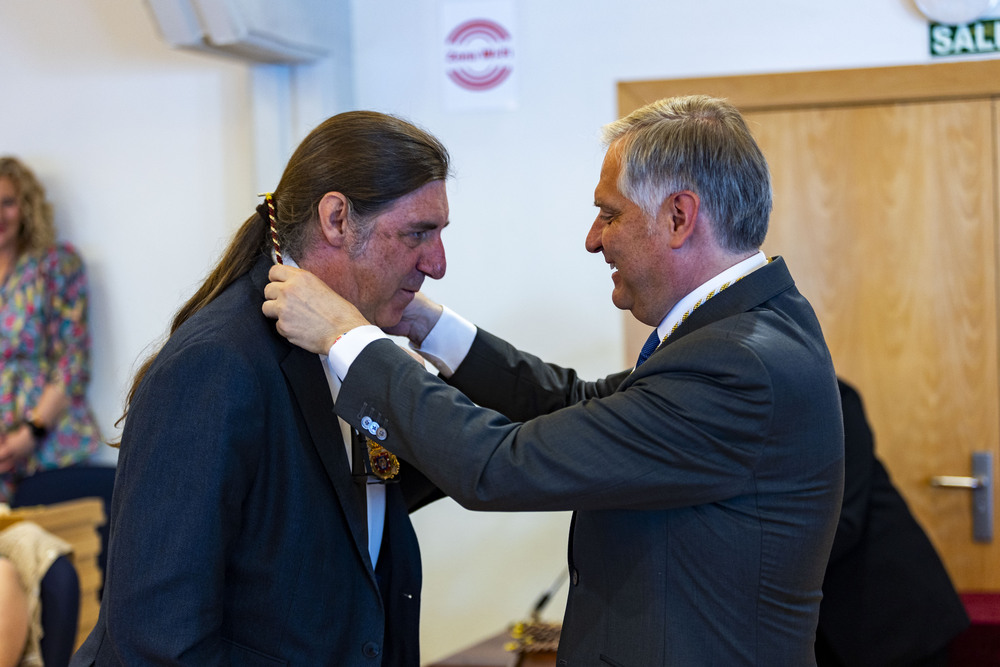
(384, 463)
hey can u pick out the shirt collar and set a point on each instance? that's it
(730, 275)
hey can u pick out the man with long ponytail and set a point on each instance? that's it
(251, 526)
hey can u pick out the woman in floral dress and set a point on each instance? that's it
(45, 421)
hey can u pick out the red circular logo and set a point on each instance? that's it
(479, 54)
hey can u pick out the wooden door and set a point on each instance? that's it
(886, 211)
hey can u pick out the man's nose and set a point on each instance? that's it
(433, 263)
(593, 240)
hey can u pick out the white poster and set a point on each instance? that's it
(479, 55)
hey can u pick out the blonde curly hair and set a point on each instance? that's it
(37, 226)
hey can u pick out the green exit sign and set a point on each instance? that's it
(956, 40)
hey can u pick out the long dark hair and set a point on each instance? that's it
(371, 158)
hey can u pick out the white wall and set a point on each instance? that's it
(154, 156)
(146, 156)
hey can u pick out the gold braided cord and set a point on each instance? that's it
(695, 307)
(703, 300)
(700, 302)
(269, 199)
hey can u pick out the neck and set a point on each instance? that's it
(706, 265)
(692, 276)
(725, 260)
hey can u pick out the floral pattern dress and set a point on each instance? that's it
(44, 339)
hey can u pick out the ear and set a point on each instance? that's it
(679, 216)
(333, 209)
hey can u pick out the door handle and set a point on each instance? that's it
(953, 482)
(981, 485)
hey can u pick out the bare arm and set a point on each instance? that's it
(19, 443)
(15, 618)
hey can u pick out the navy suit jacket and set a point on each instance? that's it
(237, 534)
(706, 484)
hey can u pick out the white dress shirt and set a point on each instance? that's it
(375, 492)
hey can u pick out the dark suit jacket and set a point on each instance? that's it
(238, 536)
(887, 598)
(706, 484)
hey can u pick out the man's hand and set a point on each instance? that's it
(419, 318)
(308, 313)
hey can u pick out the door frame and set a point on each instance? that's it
(877, 85)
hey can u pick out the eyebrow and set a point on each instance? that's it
(422, 226)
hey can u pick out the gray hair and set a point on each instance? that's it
(702, 144)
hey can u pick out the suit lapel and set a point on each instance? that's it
(762, 285)
(305, 376)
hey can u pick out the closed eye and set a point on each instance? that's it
(418, 235)
(605, 214)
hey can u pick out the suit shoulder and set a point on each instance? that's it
(229, 338)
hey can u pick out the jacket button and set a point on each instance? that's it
(575, 577)
(371, 650)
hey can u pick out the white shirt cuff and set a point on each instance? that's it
(448, 343)
(346, 349)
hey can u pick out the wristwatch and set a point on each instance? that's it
(38, 430)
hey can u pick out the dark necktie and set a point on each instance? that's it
(359, 455)
(648, 347)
